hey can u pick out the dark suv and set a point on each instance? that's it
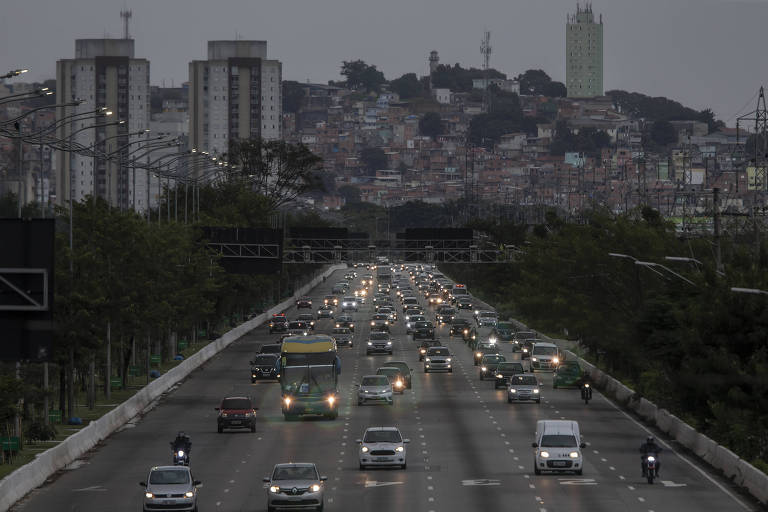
(278, 324)
(459, 326)
(264, 366)
(423, 330)
(236, 412)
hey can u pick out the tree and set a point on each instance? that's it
(537, 82)
(276, 169)
(431, 125)
(373, 159)
(459, 79)
(360, 75)
(407, 86)
(351, 194)
(663, 133)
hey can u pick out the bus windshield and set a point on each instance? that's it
(308, 379)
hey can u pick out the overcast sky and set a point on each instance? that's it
(703, 53)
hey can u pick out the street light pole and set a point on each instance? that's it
(752, 291)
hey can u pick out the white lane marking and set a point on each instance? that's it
(218, 503)
(521, 467)
(226, 491)
(603, 459)
(93, 488)
(670, 483)
(429, 477)
(430, 487)
(694, 466)
(531, 486)
(640, 499)
(621, 478)
(596, 452)
(507, 442)
(577, 481)
(431, 499)
(612, 468)
(231, 481)
(630, 488)
(481, 481)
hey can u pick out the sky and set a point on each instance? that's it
(702, 53)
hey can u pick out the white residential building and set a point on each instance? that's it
(104, 73)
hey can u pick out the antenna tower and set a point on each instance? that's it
(126, 15)
(485, 50)
(757, 152)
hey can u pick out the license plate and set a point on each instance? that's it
(558, 463)
(169, 502)
(235, 422)
(383, 459)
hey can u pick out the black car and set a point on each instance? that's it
(278, 324)
(307, 318)
(423, 330)
(345, 321)
(488, 365)
(445, 315)
(303, 302)
(463, 303)
(482, 349)
(236, 412)
(459, 326)
(425, 345)
(405, 371)
(271, 348)
(264, 366)
(506, 370)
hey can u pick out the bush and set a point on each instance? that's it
(39, 431)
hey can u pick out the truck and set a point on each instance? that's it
(383, 274)
(310, 367)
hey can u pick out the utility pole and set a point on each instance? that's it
(716, 219)
(485, 50)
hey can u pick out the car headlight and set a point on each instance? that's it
(512, 390)
(499, 376)
(535, 391)
(181, 453)
(351, 325)
(370, 343)
(149, 495)
(575, 455)
(544, 455)
(448, 360)
(389, 343)
(476, 311)
(399, 449)
(253, 375)
(373, 323)
(534, 359)
(337, 325)
(287, 401)
(525, 350)
(466, 331)
(189, 494)
(426, 359)
(331, 400)
(315, 488)
(483, 369)
(586, 385)
(555, 360)
(274, 489)
(224, 415)
(364, 449)
(423, 351)
(478, 354)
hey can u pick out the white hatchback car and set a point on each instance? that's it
(383, 446)
(374, 388)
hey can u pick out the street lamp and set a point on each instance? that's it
(649, 265)
(752, 291)
(682, 258)
(14, 73)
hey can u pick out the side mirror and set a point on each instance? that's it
(406, 441)
(197, 483)
(266, 479)
(143, 484)
(583, 445)
(323, 478)
(535, 445)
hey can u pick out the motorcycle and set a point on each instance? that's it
(650, 467)
(586, 393)
(180, 456)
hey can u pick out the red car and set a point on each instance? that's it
(236, 412)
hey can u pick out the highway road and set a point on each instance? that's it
(469, 450)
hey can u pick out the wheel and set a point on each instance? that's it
(220, 429)
(450, 370)
(253, 381)
(391, 402)
(333, 415)
(509, 401)
(253, 428)
(536, 471)
(359, 402)
(579, 471)
(404, 466)
(426, 370)
(481, 377)
(650, 477)
(538, 401)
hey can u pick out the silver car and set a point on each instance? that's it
(374, 388)
(295, 486)
(437, 358)
(170, 488)
(383, 446)
(523, 387)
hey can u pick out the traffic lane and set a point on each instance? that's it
(516, 424)
(125, 458)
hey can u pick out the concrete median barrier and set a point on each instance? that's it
(16, 485)
(752, 479)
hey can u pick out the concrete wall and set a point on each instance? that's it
(16, 485)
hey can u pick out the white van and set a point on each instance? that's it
(544, 356)
(557, 447)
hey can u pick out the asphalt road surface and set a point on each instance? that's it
(469, 450)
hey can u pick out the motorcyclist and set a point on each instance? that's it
(649, 447)
(182, 442)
